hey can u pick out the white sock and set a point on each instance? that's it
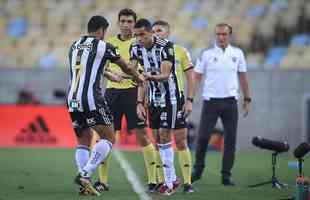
(81, 156)
(167, 157)
(99, 152)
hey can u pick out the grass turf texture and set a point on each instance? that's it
(36, 174)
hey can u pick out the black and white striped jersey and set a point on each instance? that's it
(87, 58)
(164, 92)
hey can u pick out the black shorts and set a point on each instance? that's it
(84, 120)
(169, 117)
(124, 102)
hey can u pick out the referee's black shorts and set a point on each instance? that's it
(124, 102)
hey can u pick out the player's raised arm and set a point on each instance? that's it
(114, 56)
(165, 68)
(167, 56)
(112, 76)
(129, 70)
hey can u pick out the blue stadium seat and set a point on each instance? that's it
(191, 7)
(275, 56)
(300, 40)
(17, 27)
(257, 11)
(278, 6)
(200, 23)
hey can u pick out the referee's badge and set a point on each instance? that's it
(117, 51)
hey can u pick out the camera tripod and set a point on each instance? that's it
(274, 180)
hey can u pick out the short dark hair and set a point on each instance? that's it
(96, 22)
(162, 23)
(144, 23)
(225, 24)
(127, 12)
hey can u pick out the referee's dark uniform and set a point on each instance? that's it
(221, 68)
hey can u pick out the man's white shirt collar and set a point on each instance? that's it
(217, 48)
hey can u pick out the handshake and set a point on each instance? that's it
(137, 76)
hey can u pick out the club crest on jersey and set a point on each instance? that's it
(164, 54)
(149, 54)
(234, 59)
(171, 51)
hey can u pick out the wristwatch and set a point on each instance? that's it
(190, 99)
(138, 102)
(248, 99)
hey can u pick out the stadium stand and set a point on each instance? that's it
(275, 33)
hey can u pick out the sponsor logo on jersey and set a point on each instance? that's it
(87, 47)
(90, 121)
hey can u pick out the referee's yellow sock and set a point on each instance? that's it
(159, 168)
(150, 162)
(185, 163)
(103, 169)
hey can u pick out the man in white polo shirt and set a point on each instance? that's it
(223, 66)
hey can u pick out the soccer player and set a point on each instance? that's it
(121, 97)
(184, 67)
(164, 98)
(86, 107)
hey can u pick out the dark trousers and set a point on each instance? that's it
(227, 110)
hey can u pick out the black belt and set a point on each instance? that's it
(224, 98)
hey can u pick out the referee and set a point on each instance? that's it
(223, 66)
(121, 97)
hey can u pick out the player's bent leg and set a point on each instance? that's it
(105, 132)
(184, 156)
(99, 153)
(85, 185)
(149, 155)
(82, 156)
(82, 151)
(101, 185)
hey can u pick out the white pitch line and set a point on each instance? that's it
(131, 175)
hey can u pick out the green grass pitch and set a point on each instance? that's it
(47, 174)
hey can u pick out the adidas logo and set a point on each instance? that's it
(36, 132)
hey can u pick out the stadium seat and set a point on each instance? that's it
(275, 56)
(30, 21)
